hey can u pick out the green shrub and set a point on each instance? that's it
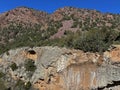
(14, 66)
(95, 40)
(75, 24)
(28, 85)
(66, 17)
(2, 85)
(20, 85)
(29, 65)
(1, 74)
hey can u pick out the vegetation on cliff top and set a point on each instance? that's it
(94, 40)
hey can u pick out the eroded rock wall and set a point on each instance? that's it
(64, 69)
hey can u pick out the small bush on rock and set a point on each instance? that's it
(14, 66)
(29, 65)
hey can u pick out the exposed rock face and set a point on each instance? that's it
(64, 69)
(114, 55)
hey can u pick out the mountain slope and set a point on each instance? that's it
(67, 27)
(23, 15)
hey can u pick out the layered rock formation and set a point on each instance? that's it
(64, 69)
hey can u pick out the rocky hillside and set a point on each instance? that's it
(24, 16)
(53, 68)
(74, 19)
(81, 18)
(66, 27)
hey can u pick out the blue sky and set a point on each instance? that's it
(112, 6)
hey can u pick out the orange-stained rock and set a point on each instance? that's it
(78, 76)
(30, 56)
(1, 59)
(54, 83)
(113, 55)
(81, 57)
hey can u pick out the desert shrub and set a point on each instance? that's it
(2, 85)
(75, 24)
(13, 66)
(66, 17)
(1, 74)
(20, 85)
(29, 65)
(95, 40)
(28, 85)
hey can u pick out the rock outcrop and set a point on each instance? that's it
(64, 69)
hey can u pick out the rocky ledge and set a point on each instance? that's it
(54, 68)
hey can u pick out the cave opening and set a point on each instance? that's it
(32, 52)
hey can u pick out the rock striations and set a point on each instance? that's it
(62, 69)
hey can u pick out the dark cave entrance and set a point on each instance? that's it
(32, 52)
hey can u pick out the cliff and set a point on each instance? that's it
(61, 69)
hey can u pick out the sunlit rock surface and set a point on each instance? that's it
(65, 69)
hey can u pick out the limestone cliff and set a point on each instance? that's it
(63, 69)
